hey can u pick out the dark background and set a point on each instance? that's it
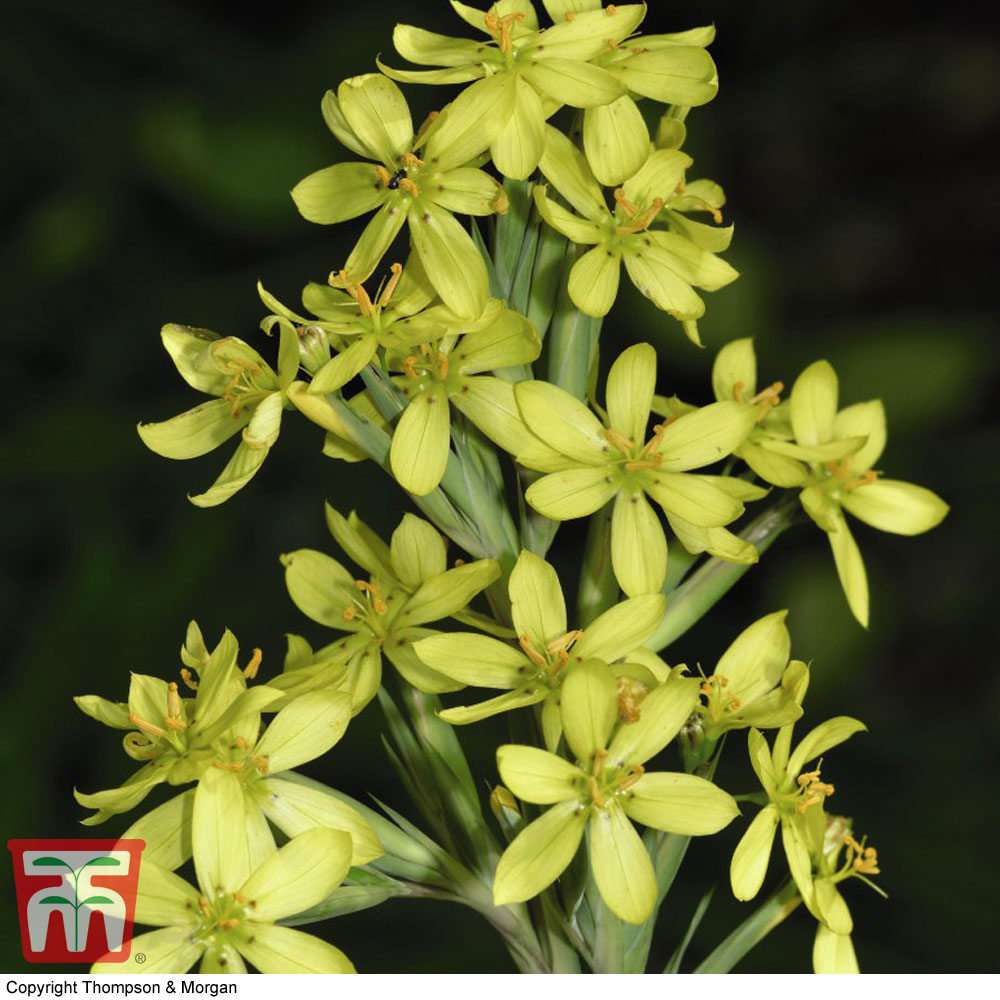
(149, 151)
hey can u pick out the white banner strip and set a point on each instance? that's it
(460, 987)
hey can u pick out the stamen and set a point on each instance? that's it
(383, 176)
(188, 679)
(173, 701)
(631, 694)
(622, 443)
(599, 759)
(525, 643)
(408, 367)
(226, 766)
(250, 670)
(390, 285)
(443, 358)
(146, 727)
(644, 463)
(738, 391)
(564, 642)
(869, 477)
(501, 202)
(203, 905)
(636, 771)
(653, 445)
(411, 160)
(628, 207)
(407, 185)
(349, 613)
(594, 792)
(643, 221)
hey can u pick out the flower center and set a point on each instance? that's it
(604, 783)
(810, 791)
(765, 400)
(719, 700)
(638, 218)
(401, 180)
(499, 27)
(368, 609)
(555, 655)
(241, 391)
(430, 364)
(637, 456)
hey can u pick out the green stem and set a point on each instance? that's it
(598, 588)
(571, 342)
(715, 577)
(752, 931)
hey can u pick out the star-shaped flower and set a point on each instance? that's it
(449, 371)
(604, 791)
(666, 266)
(409, 586)
(232, 916)
(370, 116)
(544, 69)
(547, 651)
(251, 397)
(178, 738)
(590, 463)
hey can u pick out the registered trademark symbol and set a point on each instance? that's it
(140, 958)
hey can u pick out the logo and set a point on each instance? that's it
(76, 898)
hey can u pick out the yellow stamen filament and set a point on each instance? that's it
(599, 759)
(383, 176)
(644, 463)
(250, 670)
(636, 771)
(443, 358)
(622, 443)
(864, 480)
(738, 391)
(408, 367)
(644, 221)
(203, 905)
(411, 160)
(188, 679)
(628, 207)
(390, 285)
(594, 791)
(146, 727)
(408, 185)
(653, 445)
(499, 28)
(563, 643)
(524, 641)
(226, 766)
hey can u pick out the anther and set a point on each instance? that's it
(595, 792)
(349, 613)
(250, 670)
(636, 771)
(390, 285)
(146, 727)
(383, 176)
(622, 443)
(443, 359)
(524, 642)
(644, 221)
(410, 186)
(501, 202)
(412, 160)
(628, 207)
(408, 367)
(599, 759)
(188, 679)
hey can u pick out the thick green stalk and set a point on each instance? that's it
(571, 344)
(715, 577)
(752, 931)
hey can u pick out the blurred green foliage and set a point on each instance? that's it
(150, 149)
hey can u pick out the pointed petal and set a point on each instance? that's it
(750, 859)
(620, 630)
(280, 950)
(562, 421)
(299, 875)
(195, 432)
(377, 112)
(539, 854)
(573, 493)
(594, 279)
(537, 603)
(566, 168)
(692, 499)
(474, 659)
(450, 258)
(824, 737)
(444, 594)
(662, 713)
(295, 808)
(680, 803)
(171, 950)
(569, 81)
(621, 866)
(335, 194)
(419, 450)
(638, 545)
(891, 505)
(320, 587)
(462, 715)
(865, 420)
(589, 709)
(305, 729)
(756, 658)
(833, 953)
(813, 404)
(376, 239)
(340, 369)
(850, 569)
(538, 776)
(518, 148)
(219, 833)
(615, 139)
(417, 551)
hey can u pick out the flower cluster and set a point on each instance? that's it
(456, 347)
